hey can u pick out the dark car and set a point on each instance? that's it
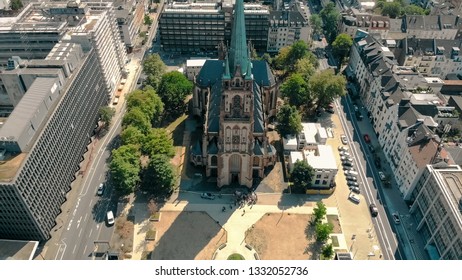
(374, 210)
(367, 138)
(347, 163)
(355, 190)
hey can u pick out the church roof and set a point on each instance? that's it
(213, 119)
(257, 148)
(238, 52)
(262, 73)
(196, 149)
(212, 149)
(258, 125)
(210, 73)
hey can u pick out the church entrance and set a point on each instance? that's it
(234, 178)
(234, 169)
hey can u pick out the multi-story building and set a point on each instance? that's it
(33, 33)
(44, 138)
(235, 97)
(437, 207)
(445, 27)
(198, 27)
(130, 17)
(352, 19)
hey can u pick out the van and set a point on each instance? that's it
(110, 218)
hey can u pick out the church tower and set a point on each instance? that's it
(234, 147)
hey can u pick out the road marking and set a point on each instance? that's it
(91, 202)
(91, 230)
(78, 222)
(75, 247)
(80, 232)
(85, 250)
(86, 216)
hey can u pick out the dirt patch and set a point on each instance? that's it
(283, 237)
(122, 239)
(334, 220)
(187, 236)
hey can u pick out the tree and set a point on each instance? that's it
(326, 86)
(391, 9)
(267, 57)
(154, 68)
(173, 89)
(297, 51)
(281, 58)
(159, 176)
(295, 89)
(135, 117)
(147, 20)
(302, 174)
(16, 5)
(125, 168)
(330, 17)
(105, 115)
(341, 46)
(323, 231)
(319, 212)
(132, 135)
(414, 10)
(305, 68)
(148, 102)
(289, 121)
(158, 142)
(316, 24)
(327, 251)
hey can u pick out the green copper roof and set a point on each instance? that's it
(226, 75)
(238, 54)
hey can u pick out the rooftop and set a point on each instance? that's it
(17, 249)
(321, 158)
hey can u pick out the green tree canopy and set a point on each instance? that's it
(326, 86)
(158, 141)
(297, 51)
(392, 9)
(159, 176)
(341, 46)
(323, 231)
(327, 251)
(148, 102)
(154, 68)
(305, 68)
(330, 17)
(289, 121)
(295, 90)
(132, 135)
(316, 24)
(319, 212)
(301, 175)
(280, 60)
(105, 114)
(147, 20)
(414, 10)
(16, 5)
(125, 168)
(173, 89)
(135, 117)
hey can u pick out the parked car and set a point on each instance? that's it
(100, 190)
(355, 190)
(355, 198)
(374, 210)
(207, 195)
(343, 148)
(352, 183)
(382, 176)
(351, 178)
(396, 218)
(348, 168)
(344, 139)
(345, 158)
(330, 110)
(351, 173)
(366, 138)
(371, 148)
(347, 163)
(110, 218)
(344, 154)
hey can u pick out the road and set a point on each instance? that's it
(381, 226)
(87, 222)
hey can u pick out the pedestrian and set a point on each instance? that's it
(243, 212)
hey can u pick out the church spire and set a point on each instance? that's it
(238, 53)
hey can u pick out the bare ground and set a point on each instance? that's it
(283, 237)
(122, 240)
(187, 235)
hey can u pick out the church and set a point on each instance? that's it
(235, 97)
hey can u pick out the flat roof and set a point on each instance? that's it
(321, 158)
(310, 130)
(17, 249)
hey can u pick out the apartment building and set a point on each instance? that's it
(130, 17)
(44, 138)
(445, 27)
(34, 32)
(352, 19)
(437, 207)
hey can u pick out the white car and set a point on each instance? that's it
(207, 195)
(343, 148)
(344, 139)
(110, 218)
(396, 218)
(382, 176)
(345, 158)
(355, 198)
(100, 189)
(351, 173)
(344, 154)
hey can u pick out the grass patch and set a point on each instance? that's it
(155, 217)
(334, 241)
(333, 219)
(235, 257)
(151, 234)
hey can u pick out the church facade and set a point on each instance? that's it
(235, 97)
